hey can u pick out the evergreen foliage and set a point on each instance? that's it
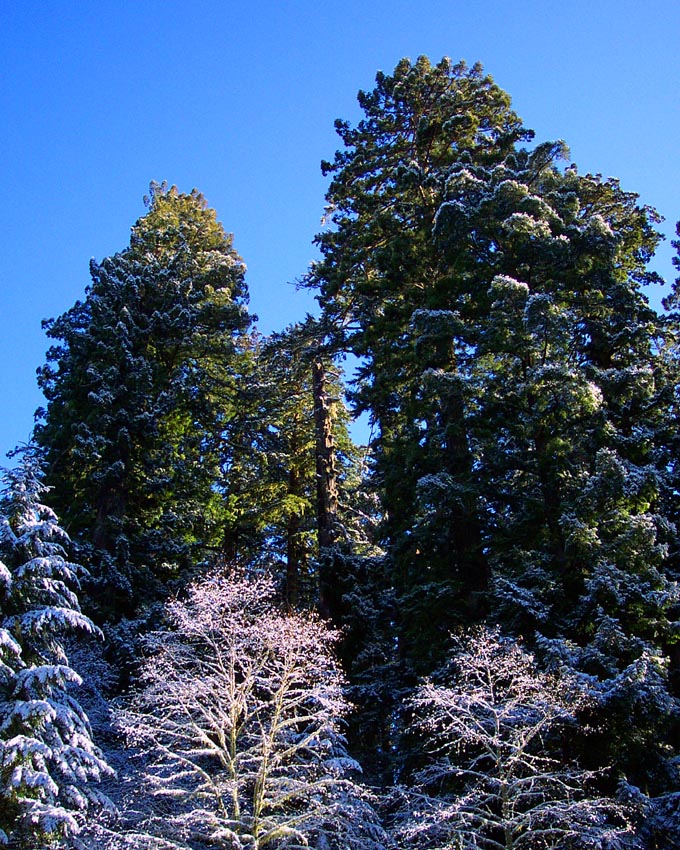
(379, 266)
(49, 765)
(518, 378)
(272, 479)
(140, 391)
(525, 472)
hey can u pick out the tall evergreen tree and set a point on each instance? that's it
(566, 399)
(140, 390)
(278, 461)
(295, 462)
(511, 362)
(672, 433)
(380, 265)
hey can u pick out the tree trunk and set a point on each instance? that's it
(465, 526)
(293, 555)
(326, 491)
(326, 471)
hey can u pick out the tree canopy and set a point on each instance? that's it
(521, 492)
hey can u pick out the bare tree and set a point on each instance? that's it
(494, 781)
(238, 722)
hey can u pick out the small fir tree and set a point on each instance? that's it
(49, 765)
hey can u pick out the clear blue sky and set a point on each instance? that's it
(238, 99)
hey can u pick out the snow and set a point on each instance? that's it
(44, 737)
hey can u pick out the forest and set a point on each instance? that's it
(225, 624)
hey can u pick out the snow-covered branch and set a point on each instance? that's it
(239, 724)
(495, 780)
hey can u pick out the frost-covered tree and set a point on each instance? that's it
(49, 765)
(438, 212)
(523, 388)
(238, 722)
(497, 777)
(140, 392)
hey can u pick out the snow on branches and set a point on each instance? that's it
(48, 762)
(239, 726)
(496, 779)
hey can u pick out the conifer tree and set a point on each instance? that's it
(49, 765)
(379, 267)
(511, 363)
(276, 467)
(140, 389)
(671, 433)
(294, 455)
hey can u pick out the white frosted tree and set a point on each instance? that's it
(49, 765)
(498, 777)
(238, 723)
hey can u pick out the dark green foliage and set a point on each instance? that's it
(271, 485)
(271, 476)
(380, 266)
(140, 395)
(525, 401)
(521, 386)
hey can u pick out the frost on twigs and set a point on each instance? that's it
(495, 778)
(238, 724)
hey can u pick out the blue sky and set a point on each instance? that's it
(238, 100)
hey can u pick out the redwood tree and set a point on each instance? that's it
(140, 389)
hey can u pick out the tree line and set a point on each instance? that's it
(464, 634)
